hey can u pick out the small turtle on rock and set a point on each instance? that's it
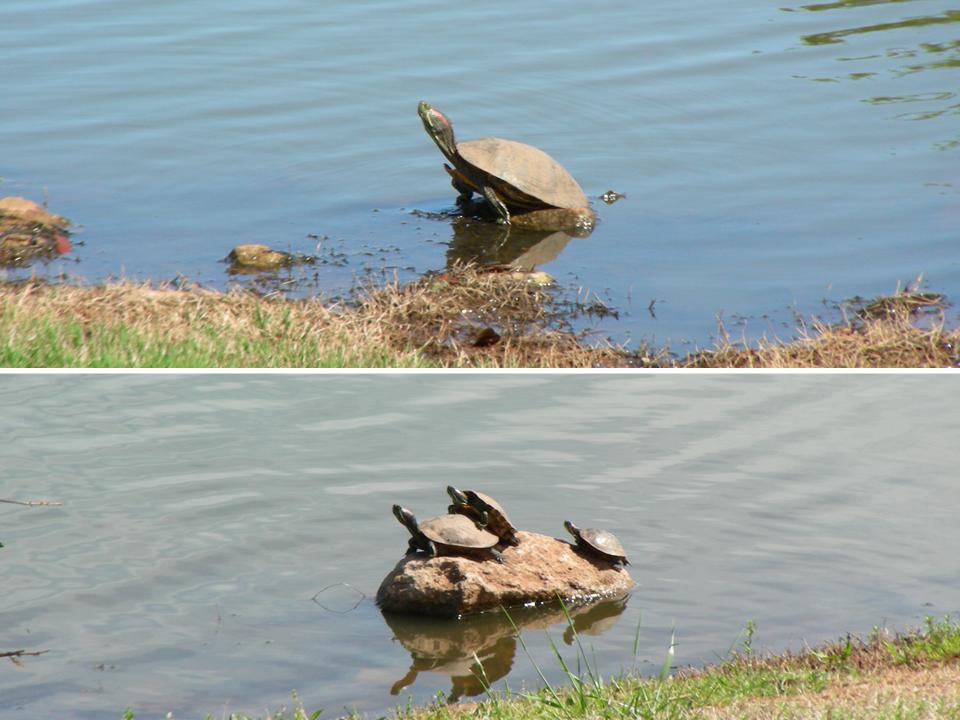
(447, 535)
(601, 543)
(477, 505)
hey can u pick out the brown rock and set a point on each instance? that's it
(536, 571)
(28, 211)
(28, 231)
(258, 257)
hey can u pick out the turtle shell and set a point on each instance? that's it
(457, 531)
(604, 542)
(525, 176)
(497, 520)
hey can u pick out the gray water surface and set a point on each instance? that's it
(222, 538)
(773, 155)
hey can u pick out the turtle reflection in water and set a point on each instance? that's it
(453, 648)
(448, 535)
(600, 543)
(524, 185)
(478, 506)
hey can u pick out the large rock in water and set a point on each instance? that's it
(537, 570)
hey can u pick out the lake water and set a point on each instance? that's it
(222, 537)
(774, 155)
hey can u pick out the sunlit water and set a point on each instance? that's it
(773, 155)
(221, 538)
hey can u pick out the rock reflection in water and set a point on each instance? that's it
(595, 619)
(453, 647)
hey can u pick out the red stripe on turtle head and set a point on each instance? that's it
(439, 115)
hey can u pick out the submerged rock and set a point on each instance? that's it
(258, 257)
(252, 258)
(537, 570)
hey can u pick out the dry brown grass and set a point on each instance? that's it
(466, 318)
(458, 318)
(461, 318)
(904, 692)
(890, 332)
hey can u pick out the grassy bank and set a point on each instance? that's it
(909, 676)
(460, 318)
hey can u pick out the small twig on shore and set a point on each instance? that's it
(33, 503)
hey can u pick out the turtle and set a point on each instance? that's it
(447, 535)
(602, 543)
(477, 505)
(512, 176)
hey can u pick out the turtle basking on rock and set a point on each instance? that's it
(478, 506)
(524, 185)
(600, 543)
(447, 535)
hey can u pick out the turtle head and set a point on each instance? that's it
(438, 128)
(458, 497)
(571, 528)
(406, 518)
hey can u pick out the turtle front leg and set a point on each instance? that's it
(459, 184)
(481, 520)
(497, 203)
(430, 549)
(496, 555)
(412, 546)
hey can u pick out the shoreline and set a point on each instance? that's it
(464, 317)
(914, 675)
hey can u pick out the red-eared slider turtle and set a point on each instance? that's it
(599, 542)
(476, 505)
(447, 535)
(512, 176)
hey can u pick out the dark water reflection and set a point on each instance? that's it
(836, 36)
(900, 61)
(479, 650)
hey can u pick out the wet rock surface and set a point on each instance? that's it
(250, 257)
(28, 231)
(536, 571)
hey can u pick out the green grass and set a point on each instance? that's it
(939, 641)
(66, 342)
